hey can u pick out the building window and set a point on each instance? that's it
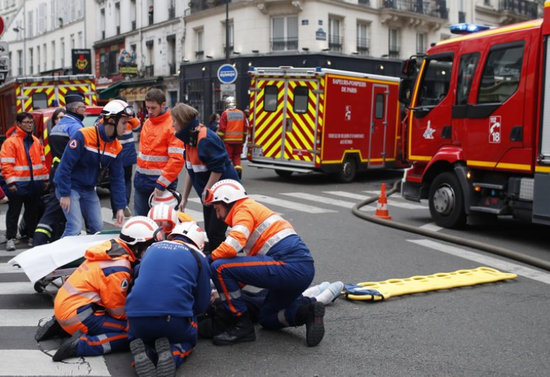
(45, 60)
(108, 62)
(393, 45)
(117, 17)
(19, 63)
(284, 31)
(53, 54)
(199, 48)
(62, 53)
(420, 43)
(334, 34)
(363, 42)
(31, 60)
(37, 59)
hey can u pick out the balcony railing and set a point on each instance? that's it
(521, 7)
(364, 2)
(172, 12)
(393, 51)
(437, 8)
(200, 5)
(363, 46)
(335, 43)
(284, 44)
(149, 70)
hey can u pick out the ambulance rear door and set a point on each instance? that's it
(285, 121)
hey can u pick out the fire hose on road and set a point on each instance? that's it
(536, 262)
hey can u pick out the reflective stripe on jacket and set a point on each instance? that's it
(255, 229)
(192, 160)
(79, 165)
(233, 126)
(23, 162)
(160, 157)
(100, 283)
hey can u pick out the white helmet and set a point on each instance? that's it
(227, 191)
(230, 103)
(140, 229)
(165, 216)
(169, 197)
(192, 231)
(117, 108)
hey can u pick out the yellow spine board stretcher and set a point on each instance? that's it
(419, 284)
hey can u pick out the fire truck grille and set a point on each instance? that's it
(526, 189)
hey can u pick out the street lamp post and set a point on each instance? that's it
(227, 31)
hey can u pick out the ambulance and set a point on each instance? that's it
(323, 120)
(477, 130)
(26, 94)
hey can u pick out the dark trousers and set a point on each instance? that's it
(128, 184)
(32, 208)
(215, 228)
(52, 223)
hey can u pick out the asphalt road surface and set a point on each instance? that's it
(495, 329)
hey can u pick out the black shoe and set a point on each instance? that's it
(241, 331)
(315, 328)
(166, 366)
(68, 348)
(143, 365)
(49, 329)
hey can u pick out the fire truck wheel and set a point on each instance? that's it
(347, 171)
(447, 201)
(283, 173)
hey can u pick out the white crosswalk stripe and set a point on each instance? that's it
(289, 204)
(7, 269)
(321, 199)
(23, 288)
(37, 363)
(397, 200)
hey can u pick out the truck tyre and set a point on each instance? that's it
(447, 201)
(347, 171)
(283, 173)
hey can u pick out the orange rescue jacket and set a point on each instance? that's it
(233, 127)
(100, 283)
(254, 228)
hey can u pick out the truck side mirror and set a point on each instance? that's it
(408, 67)
(405, 91)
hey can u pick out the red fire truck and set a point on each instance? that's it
(478, 127)
(40, 92)
(324, 120)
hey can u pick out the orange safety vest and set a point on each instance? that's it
(160, 157)
(102, 280)
(232, 128)
(254, 228)
(192, 160)
(16, 167)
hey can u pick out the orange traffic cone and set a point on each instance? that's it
(382, 207)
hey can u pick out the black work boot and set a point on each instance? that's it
(312, 316)
(241, 331)
(49, 329)
(142, 363)
(166, 366)
(68, 348)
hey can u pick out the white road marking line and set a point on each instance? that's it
(11, 254)
(395, 200)
(350, 195)
(7, 269)
(320, 199)
(37, 363)
(289, 204)
(432, 227)
(22, 318)
(17, 288)
(527, 272)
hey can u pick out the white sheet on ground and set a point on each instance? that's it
(42, 260)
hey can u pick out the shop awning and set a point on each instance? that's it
(112, 91)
